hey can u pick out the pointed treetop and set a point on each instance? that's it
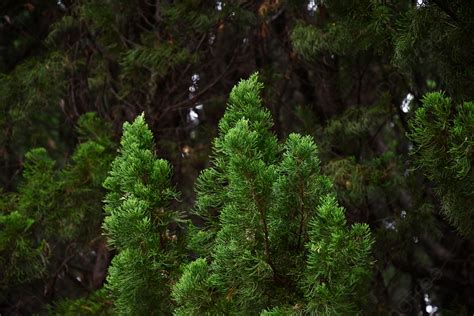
(137, 134)
(245, 102)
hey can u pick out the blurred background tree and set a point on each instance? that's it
(50, 242)
(349, 73)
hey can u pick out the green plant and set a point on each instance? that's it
(442, 134)
(50, 222)
(141, 226)
(280, 241)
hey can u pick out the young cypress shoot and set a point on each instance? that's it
(212, 196)
(279, 235)
(139, 225)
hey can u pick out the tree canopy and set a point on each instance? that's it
(267, 157)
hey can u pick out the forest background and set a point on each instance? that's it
(384, 87)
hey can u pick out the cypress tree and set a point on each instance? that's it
(140, 225)
(281, 242)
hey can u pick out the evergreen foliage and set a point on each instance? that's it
(443, 137)
(423, 40)
(338, 266)
(54, 209)
(276, 215)
(22, 259)
(349, 73)
(25, 97)
(96, 303)
(397, 51)
(140, 225)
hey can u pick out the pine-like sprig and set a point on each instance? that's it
(443, 138)
(139, 224)
(279, 233)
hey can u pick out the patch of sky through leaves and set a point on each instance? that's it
(406, 103)
(193, 115)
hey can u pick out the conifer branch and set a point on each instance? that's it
(301, 199)
(445, 7)
(263, 220)
(261, 193)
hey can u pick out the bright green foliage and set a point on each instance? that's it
(244, 102)
(193, 291)
(337, 261)
(140, 225)
(53, 209)
(390, 50)
(443, 137)
(276, 215)
(299, 188)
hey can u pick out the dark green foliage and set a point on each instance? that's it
(435, 38)
(26, 96)
(140, 225)
(54, 209)
(270, 225)
(96, 303)
(22, 260)
(72, 192)
(443, 139)
(428, 39)
(392, 50)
